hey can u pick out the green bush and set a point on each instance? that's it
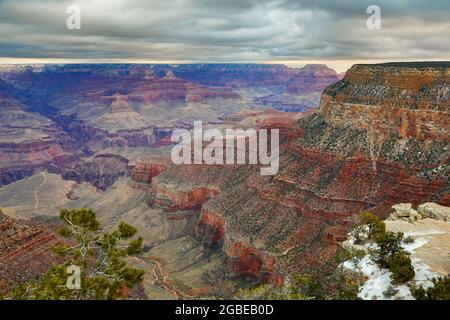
(401, 268)
(376, 227)
(310, 286)
(408, 239)
(360, 234)
(377, 230)
(440, 290)
(368, 217)
(388, 244)
(390, 254)
(262, 292)
(390, 292)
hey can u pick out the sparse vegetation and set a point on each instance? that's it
(369, 227)
(401, 267)
(388, 244)
(440, 290)
(270, 292)
(408, 239)
(390, 292)
(337, 284)
(388, 252)
(374, 223)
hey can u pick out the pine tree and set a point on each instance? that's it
(100, 256)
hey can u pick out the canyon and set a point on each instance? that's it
(331, 168)
(378, 137)
(62, 118)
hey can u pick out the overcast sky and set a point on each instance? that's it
(293, 32)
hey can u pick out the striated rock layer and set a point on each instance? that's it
(24, 251)
(412, 102)
(312, 78)
(29, 142)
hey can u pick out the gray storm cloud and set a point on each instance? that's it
(233, 30)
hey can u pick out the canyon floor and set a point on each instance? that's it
(176, 267)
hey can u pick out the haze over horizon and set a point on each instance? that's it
(294, 33)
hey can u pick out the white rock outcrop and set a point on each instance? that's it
(434, 211)
(404, 211)
(428, 232)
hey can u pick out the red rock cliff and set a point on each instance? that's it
(412, 102)
(24, 251)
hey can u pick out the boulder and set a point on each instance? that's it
(404, 211)
(434, 211)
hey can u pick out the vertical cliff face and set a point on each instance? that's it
(411, 101)
(143, 172)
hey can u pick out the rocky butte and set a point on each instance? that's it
(312, 78)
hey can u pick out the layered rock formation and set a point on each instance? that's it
(143, 172)
(237, 75)
(303, 90)
(312, 78)
(104, 106)
(172, 88)
(404, 211)
(24, 251)
(434, 211)
(408, 101)
(331, 167)
(100, 170)
(93, 107)
(29, 142)
(120, 115)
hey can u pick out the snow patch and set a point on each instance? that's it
(418, 233)
(379, 280)
(411, 247)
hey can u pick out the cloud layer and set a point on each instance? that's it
(225, 30)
